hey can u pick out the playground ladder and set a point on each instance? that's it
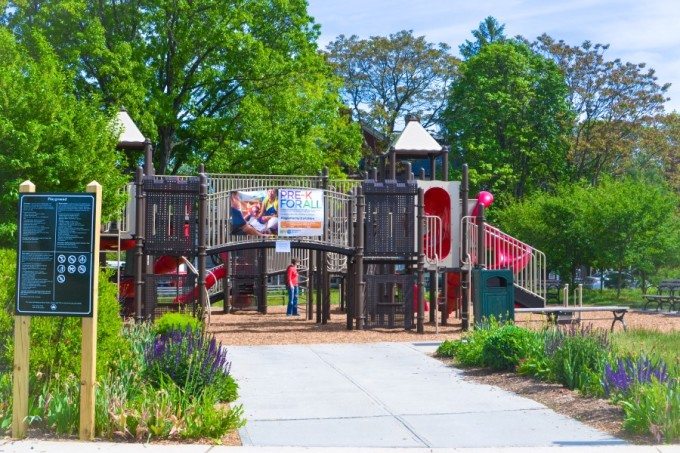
(503, 251)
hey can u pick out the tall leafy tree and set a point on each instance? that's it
(489, 31)
(508, 116)
(619, 224)
(611, 100)
(47, 134)
(387, 77)
(205, 79)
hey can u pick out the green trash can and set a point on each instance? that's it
(494, 294)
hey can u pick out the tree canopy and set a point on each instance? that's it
(509, 118)
(236, 84)
(611, 100)
(387, 77)
(618, 224)
(47, 134)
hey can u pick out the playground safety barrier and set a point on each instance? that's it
(503, 251)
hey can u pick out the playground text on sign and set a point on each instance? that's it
(301, 212)
(56, 247)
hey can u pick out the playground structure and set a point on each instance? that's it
(378, 239)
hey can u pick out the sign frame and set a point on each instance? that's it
(83, 252)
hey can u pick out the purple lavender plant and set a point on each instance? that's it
(628, 372)
(188, 357)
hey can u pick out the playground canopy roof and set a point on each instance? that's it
(130, 136)
(414, 141)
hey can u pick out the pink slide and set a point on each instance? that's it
(509, 253)
(438, 203)
(167, 265)
(214, 274)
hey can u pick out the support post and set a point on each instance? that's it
(22, 345)
(464, 196)
(359, 261)
(88, 362)
(421, 262)
(393, 164)
(148, 158)
(139, 243)
(481, 247)
(203, 301)
(319, 284)
(445, 164)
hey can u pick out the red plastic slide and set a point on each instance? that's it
(438, 203)
(213, 276)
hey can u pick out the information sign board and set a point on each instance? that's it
(301, 212)
(56, 248)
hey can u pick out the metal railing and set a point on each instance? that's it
(434, 244)
(503, 251)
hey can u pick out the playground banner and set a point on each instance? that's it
(277, 212)
(301, 212)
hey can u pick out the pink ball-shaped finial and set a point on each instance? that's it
(485, 198)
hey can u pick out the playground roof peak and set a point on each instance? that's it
(415, 139)
(130, 136)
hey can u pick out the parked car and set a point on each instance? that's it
(612, 278)
(592, 282)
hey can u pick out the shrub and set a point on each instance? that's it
(56, 342)
(189, 358)
(579, 362)
(653, 408)
(505, 347)
(175, 321)
(447, 348)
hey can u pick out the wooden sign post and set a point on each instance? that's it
(57, 275)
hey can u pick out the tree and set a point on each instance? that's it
(387, 77)
(47, 134)
(204, 79)
(634, 225)
(619, 224)
(555, 223)
(611, 99)
(507, 113)
(489, 31)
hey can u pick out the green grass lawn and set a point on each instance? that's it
(650, 343)
(629, 297)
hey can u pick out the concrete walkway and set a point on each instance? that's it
(387, 395)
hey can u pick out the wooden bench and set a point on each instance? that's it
(667, 293)
(554, 313)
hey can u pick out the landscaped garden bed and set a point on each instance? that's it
(632, 375)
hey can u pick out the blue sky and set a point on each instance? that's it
(637, 30)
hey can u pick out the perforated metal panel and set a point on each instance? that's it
(390, 218)
(169, 292)
(389, 301)
(245, 263)
(244, 293)
(171, 215)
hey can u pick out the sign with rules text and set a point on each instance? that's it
(55, 256)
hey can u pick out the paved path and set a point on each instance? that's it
(385, 395)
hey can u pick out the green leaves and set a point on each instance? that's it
(508, 114)
(47, 134)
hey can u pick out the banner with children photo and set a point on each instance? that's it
(255, 213)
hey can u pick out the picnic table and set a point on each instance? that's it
(667, 292)
(555, 312)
